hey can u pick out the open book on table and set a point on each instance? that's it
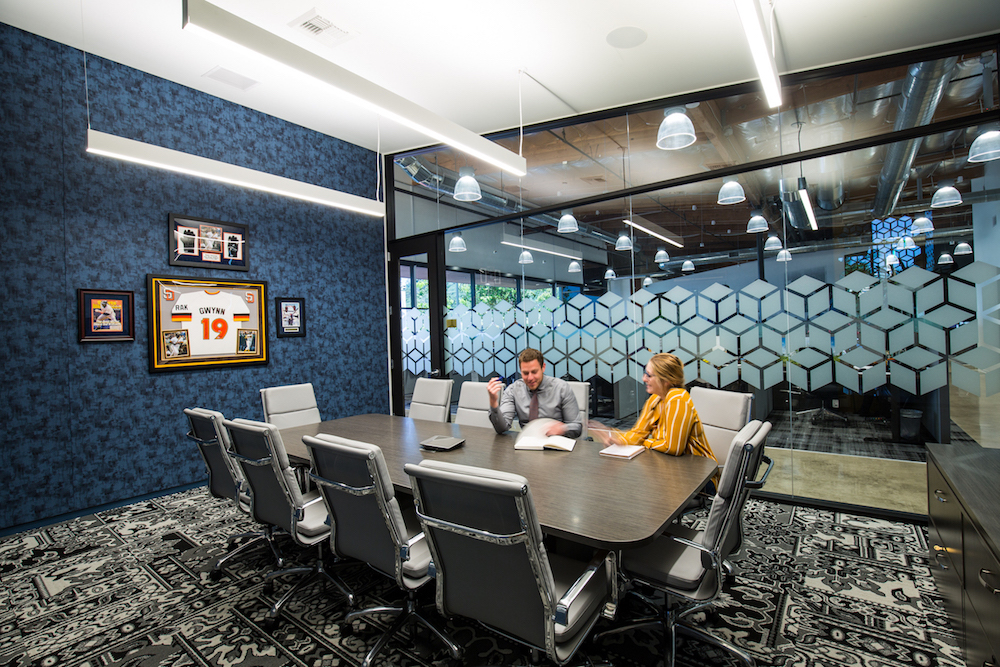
(533, 437)
(622, 451)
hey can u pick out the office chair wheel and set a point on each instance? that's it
(347, 629)
(268, 588)
(270, 624)
(215, 575)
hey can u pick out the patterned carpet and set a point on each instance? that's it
(130, 586)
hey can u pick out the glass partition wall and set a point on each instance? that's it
(803, 254)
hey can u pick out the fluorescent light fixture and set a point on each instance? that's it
(655, 231)
(807, 205)
(204, 16)
(534, 249)
(767, 71)
(138, 152)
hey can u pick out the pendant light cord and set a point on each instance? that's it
(86, 81)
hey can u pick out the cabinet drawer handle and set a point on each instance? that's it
(990, 587)
(939, 494)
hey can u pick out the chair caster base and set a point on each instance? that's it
(268, 588)
(215, 575)
(270, 624)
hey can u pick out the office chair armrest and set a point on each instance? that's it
(404, 549)
(566, 601)
(758, 484)
(700, 547)
(301, 511)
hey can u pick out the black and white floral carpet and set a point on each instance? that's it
(131, 586)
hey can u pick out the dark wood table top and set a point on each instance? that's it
(579, 495)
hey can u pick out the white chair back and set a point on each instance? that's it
(431, 400)
(582, 392)
(290, 405)
(474, 405)
(723, 414)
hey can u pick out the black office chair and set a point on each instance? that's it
(225, 480)
(687, 566)
(369, 525)
(491, 565)
(278, 500)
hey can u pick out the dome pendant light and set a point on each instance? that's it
(609, 274)
(891, 260)
(567, 223)
(457, 243)
(963, 249)
(574, 267)
(688, 266)
(920, 226)
(986, 147)
(647, 281)
(945, 258)
(467, 188)
(624, 242)
(525, 258)
(661, 256)
(946, 196)
(784, 256)
(772, 243)
(757, 223)
(676, 130)
(731, 192)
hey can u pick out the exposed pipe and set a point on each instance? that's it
(922, 90)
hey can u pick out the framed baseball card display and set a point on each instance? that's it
(206, 323)
(290, 314)
(208, 244)
(105, 316)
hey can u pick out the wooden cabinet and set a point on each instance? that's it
(963, 503)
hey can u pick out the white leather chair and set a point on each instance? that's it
(723, 414)
(290, 405)
(474, 405)
(582, 392)
(431, 400)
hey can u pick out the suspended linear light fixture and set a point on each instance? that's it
(807, 204)
(757, 223)
(784, 256)
(945, 258)
(946, 196)
(676, 130)
(457, 243)
(537, 249)
(767, 71)
(130, 150)
(772, 243)
(656, 231)
(574, 267)
(467, 187)
(963, 249)
(986, 147)
(204, 17)
(661, 256)
(623, 242)
(687, 266)
(731, 192)
(567, 223)
(610, 274)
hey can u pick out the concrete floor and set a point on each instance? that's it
(857, 480)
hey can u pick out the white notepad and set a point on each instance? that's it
(623, 451)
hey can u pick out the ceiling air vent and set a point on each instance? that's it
(230, 78)
(321, 28)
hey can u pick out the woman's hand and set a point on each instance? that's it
(603, 434)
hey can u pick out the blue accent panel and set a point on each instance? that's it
(87, 423)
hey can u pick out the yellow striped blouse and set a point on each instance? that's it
(671, 425)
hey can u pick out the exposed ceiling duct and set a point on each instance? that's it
(922, 91)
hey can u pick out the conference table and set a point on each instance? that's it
(579, 496)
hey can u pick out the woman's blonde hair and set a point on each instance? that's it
(669, 369)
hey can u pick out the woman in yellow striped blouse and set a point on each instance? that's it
(668, 423)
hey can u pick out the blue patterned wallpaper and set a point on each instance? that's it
(87, 423)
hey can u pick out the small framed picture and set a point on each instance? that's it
(290, 313)
(105, 316)
(208, 244)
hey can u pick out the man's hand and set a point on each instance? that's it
(556, 429)
(495, 388)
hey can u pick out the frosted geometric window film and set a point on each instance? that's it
(862, 332)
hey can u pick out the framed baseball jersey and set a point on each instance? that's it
(205, 323)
